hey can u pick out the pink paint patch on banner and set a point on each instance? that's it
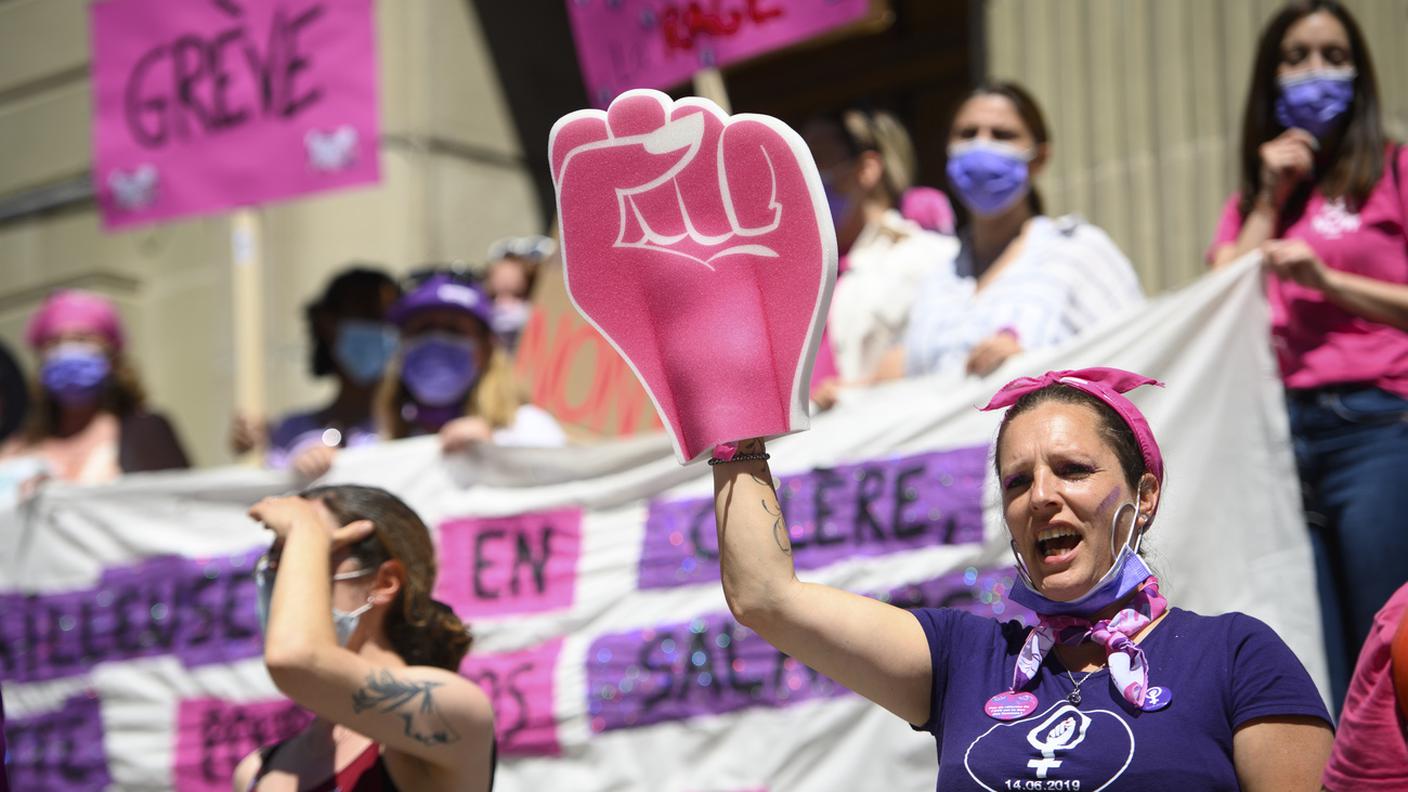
(213, 735)
(521, 686)
(523, 563)
(624, 44)
(200, 107)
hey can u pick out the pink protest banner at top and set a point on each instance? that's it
(701, 246)
(204, 105)
(623, 44)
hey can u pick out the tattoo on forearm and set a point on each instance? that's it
(779, 529)
(411, 701)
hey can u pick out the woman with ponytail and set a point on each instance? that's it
(352, 634)
(867, 166)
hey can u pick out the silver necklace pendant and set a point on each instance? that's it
(1074, 696)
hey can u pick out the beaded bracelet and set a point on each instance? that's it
(741, 458)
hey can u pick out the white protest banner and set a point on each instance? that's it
(129, 649)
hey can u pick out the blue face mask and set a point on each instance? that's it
(362, 349)
(75, 372)
(1315, 100)
(988, 176)
(439, 368)
(1120, 581)
(343, 622)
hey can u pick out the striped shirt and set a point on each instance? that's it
(1069, 277)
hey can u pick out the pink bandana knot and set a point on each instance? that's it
(1129, 668)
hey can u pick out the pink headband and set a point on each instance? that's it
(1105, 384)
(70, 310)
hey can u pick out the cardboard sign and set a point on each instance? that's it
(211, 104)
(624, 44)
(573, 372)
(701, 246)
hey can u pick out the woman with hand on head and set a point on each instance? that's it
(1324, 198)
(351, 634)
(89, 422)
(451, 377)
(1019, 280)
(1112, 689)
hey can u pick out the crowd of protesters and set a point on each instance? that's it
(925, 287)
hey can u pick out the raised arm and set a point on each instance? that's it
(430, 713)
(1286, 160)
(875, 649)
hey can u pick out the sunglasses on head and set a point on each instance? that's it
(455, 273)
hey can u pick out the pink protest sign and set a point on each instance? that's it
(213, 735)
(701, 246)
(205, 105)
(624, 44)
(520, 684)
(522, 563)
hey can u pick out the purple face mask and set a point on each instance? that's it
(988, 176)
(1315, 100)
(439, 368)
(75, 373)
(836, 201)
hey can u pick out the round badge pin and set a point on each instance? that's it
(1010, 705)
(1156, 698)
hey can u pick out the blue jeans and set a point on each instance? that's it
(1351, 446)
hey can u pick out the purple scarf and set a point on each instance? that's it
(1128, 667)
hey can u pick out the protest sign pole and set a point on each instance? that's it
(247, 302)
(709, 83)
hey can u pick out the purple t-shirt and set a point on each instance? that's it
(1221, 672)
(297, 431)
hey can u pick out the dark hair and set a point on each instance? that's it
(1112, 427)
(423, 631)
(1027, 110)
(878, 131)
(358, 284)
(1356, 158)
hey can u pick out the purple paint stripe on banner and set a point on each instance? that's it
(863, 509)
(62, 749)
(201, 610)
(712, 665)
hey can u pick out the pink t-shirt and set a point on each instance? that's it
(1318, 343)
(1371, 746)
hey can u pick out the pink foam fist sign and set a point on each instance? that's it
(700, 245)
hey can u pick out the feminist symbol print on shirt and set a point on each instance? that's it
(1064, 744)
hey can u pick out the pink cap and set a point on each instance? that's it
(70, 310)
(1105, 384)
(929, 208)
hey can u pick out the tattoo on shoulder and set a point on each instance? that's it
(411, 701)
(779, 529)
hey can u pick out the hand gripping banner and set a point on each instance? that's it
(700, 245)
